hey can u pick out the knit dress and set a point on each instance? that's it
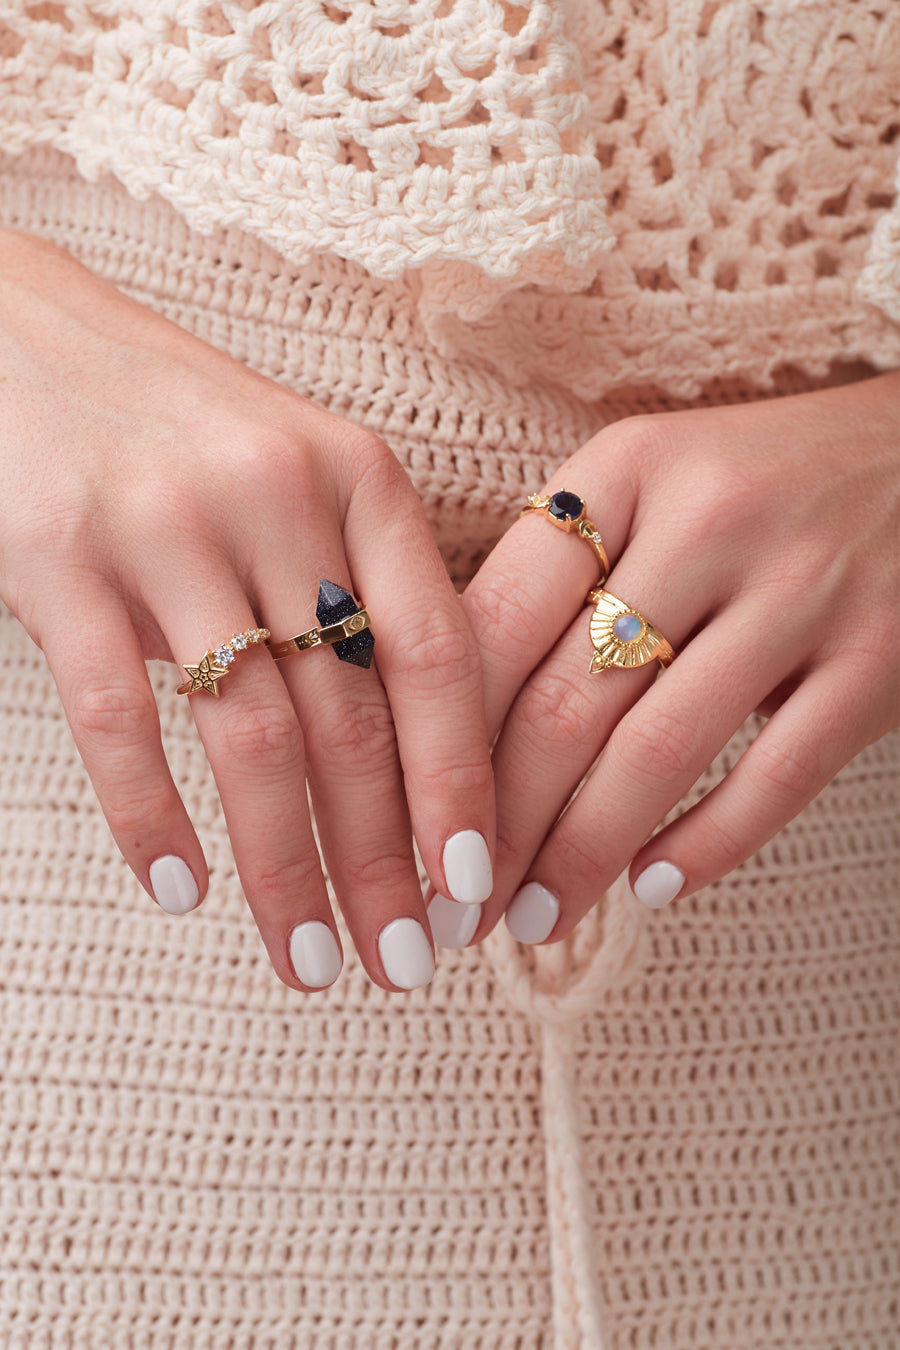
(484, 229)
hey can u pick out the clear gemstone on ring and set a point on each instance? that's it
(628, 628)
(223, 655)
(239, 641)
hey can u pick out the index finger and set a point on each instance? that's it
(534, 583)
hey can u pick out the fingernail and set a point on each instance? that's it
(532, 913)
(452, 925)
(658, 884)
(467, 868)
(174, 887)
(315, 955)
(406, 954)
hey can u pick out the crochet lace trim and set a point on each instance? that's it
(396, 134)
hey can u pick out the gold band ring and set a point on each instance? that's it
(345, 626)
(216, 662)
(623, 637)
(567, 511)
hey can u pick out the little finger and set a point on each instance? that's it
(111, 709)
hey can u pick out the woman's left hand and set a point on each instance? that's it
(761, 540)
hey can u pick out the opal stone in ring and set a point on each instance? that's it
(623, 637)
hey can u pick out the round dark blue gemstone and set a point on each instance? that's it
(565, 506)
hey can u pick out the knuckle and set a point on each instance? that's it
(270, 460)
(125, 713)
(381, 873)
(371, 466)
(134, 804)
(656, 744)
(360, 730)
(501, 622)
(437, 657)
(471, 781)
(575, 856)
(279, 879)
(262, 736)
(787, 772)
(722, 844)
(555, 702)
(642, 440)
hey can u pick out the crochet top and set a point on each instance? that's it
(571, 198)
(714, 181)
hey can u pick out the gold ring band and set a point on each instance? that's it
(567, 511)
(317, 637)
(344, 626)
(623, 637)
(216, 662)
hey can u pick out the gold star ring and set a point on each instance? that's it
(216, 663)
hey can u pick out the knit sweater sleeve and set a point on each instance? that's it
(452, 138)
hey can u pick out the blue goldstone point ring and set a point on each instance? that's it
(344, 625)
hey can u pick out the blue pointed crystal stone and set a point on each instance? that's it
(565, 506)
(333, 606)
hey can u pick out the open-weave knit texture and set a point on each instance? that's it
(197, 1158)
(673, 1132)
(738, 155)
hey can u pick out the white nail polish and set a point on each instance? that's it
(532, 913)
(658, 884)
(467, 868)
(315, 955)
(173, 885)
(452, 925)
(406, 954)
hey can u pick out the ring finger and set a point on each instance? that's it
(357, 787)
(562, 718)
(655, 752)
(255, 747)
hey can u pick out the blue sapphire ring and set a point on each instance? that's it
(344, 626)
(623, 637)
(568, 512)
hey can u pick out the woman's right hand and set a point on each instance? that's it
(156, 497)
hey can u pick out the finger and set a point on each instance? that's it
(356, 782)
(654, 755)
(565, 713)
(255, 748)
(431, 669)
(795, 755)
(534, 583)
(109, 703)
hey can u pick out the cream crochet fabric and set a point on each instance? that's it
(736, 155)
(674, 1132)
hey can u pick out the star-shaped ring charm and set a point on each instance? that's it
(205, 676)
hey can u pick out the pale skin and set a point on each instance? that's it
(168, 497)
(762, 541)
(159, 496)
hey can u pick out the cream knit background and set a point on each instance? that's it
(677, 1131)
